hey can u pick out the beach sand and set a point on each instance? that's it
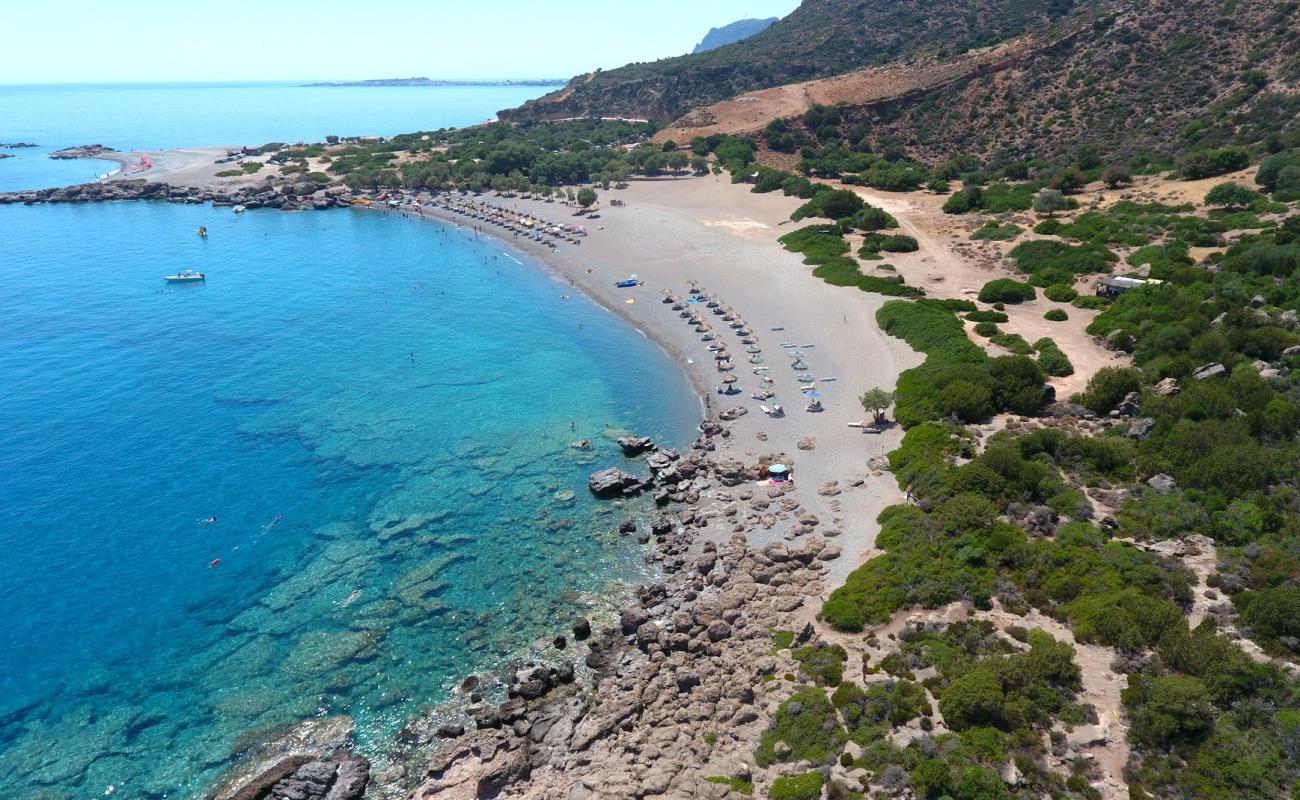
(672, 232)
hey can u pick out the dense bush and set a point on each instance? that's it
(808, 723)
(1052, 360)
(1060, 293)
(896, 243)
(1058, 260)
(817, 243)
(806, 786)
(1108, 386)
(1056, 315)
(1006, 290)
(830, 203)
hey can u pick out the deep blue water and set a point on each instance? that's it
(158, 116)
(397, 394)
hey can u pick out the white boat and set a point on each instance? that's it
(239, 209)
(185, 276)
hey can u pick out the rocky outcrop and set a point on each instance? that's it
(263, 195)
(613, 482)
(342, 776)
(636, 445)
(685, 662)
(83, 151)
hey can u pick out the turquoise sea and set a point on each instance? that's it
(363, 416)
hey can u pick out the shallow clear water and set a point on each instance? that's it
(397, 394)
(158, 116)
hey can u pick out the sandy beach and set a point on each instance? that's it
(722, 237)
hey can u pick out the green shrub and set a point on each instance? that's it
(1108, 386)
(831, 204)
(986, 329)
(1060, 293)
(1006, 290)
(1056, 315)
(1048, 227)
(1090, 302)
(736, 784)
(808, 723)
(987, 316)
(1043, 255)
(875, 243)
(817, 243)
(823, 663)
(1168, 710)
(992, 231)
(782, 640)
(1013, 343)
(807, 786)
(1053, 361)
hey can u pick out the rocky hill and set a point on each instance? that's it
(1168, 76)
(819, 39)
(1115, 77)
(737, 31)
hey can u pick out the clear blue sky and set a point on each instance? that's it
(74, 41)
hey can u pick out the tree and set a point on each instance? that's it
(586, 197)
(1050, 201)
(876, 401)
(1231, 196)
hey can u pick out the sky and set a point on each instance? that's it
(97, 41)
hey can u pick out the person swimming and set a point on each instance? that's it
(274, 522)
(208, 520)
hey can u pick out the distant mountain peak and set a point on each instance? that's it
(730, 34)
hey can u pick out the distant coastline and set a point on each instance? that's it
(420, 81)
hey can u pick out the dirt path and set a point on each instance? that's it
(949, 265)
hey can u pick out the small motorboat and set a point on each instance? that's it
(185, 276)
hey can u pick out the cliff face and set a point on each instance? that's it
(737, 31)
(818, 39)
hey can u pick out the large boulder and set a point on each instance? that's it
(611, 482)
(636, 445)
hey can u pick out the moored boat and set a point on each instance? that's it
(185, 276)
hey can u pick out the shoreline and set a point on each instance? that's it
(726, 526)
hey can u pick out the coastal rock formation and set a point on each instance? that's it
(662, 681)
(257, 196)
(636, 445)
(340, 777)
(612, 482)
(84, 151)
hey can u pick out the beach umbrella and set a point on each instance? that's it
(813, 394)
(778, 469)
(729, 379)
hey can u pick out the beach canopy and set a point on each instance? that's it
(729, 379)
(812, 394)
(778, 469)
